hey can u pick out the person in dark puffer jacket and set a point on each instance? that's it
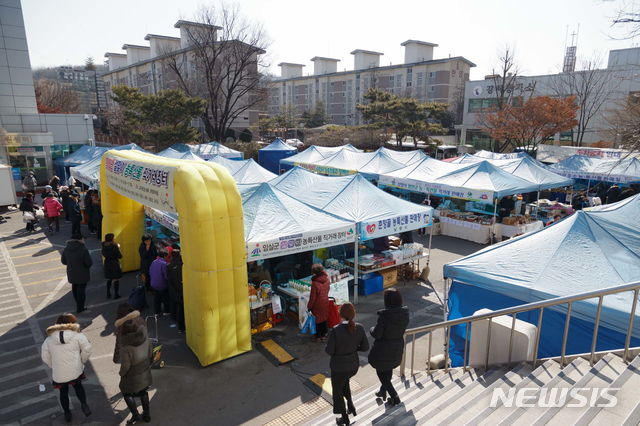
(388, 347)
(124, 314)
(135, 369)
(78, 260)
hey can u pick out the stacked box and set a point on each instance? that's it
(389, 277)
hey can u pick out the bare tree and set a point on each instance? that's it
(591, 87)
(624, 123)
(222, 65)
(54, 97)
(629, 19)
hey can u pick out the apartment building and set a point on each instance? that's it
(145, 66)
(622, 80)
(420, 76)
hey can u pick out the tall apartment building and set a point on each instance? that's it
(87, 84)
(420, 76)
(145, 67)
(621, 77)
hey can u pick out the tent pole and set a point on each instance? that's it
(588, 186)
(493, 228)
(355, 268)
(430, 238)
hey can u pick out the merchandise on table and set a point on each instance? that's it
(403, 254)
(260, 305)
(544, 209)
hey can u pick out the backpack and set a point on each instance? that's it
(137, 298)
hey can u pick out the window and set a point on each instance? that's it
(475, 105)
(408, 84)
(566, 136)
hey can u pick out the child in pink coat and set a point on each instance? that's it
(52, 209)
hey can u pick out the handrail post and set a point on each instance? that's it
(513, 326)
(447, 336)
(486, 360)
(413, 351)
(404, 355)
(538, 332)
(466, 347)
(596, 326)
(565, 335)
(630, 328)
(429, 354)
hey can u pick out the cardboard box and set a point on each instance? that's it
(389, 277)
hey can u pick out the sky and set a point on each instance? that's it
(65, 32)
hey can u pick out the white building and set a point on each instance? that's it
(145, 66)
(30, 141)
(623, 79)
(420, 76)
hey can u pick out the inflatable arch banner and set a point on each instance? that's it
(212, 242)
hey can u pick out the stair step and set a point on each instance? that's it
(629, 383)
(602, 375)
(366, 401)
(492, 415)
(384, 414)
(461, 410)
(565, 379)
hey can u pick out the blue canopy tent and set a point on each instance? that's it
(309, 156)
(587, 251)
(88, 173)
(83, 155)
(269, 157)
(524, 167)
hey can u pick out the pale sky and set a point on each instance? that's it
(63, 32)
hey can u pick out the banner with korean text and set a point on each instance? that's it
(437, 189)
(146, 183)
(394, 225)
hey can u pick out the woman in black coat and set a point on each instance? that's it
(148, 254)
(388, 346)
(345, 340)
(112, 270)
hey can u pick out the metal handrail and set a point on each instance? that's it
(541, 305)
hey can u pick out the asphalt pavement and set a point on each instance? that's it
(247, 389)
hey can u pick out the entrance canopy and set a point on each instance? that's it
(583, 167)
(588, 250)
(524, 167)
(353, 198)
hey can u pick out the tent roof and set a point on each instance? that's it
(587, 251)
(279, 145)
(89, 172)
(584, 167)
(404, 157)
(84, 154)
(181, 155)
(270, 213)
(347, 160)
(309, 156)
(524, 167)
(380, 163)
(251, 172)
(350, 197)
(206, 150)
(231, 165)
(328, 151)
(500, 156)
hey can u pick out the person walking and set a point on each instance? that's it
(55, 183)
(28, 206)
(29, 183)
(148, 254)
(388, 346)
(52, 209)
(345, 341)
(78, 260)
(48, 190)
(174, 272)
(112, 270)
(125, 313)
(319, 300)
(75, 215)
(87, 201)
(159, 283)
(66, 350)
(135, 369)
(96, 213)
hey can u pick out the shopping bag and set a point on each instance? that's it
(39, 214)
(334, 313)
(28, 217)
(309, 325)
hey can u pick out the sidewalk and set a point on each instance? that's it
(247, 389)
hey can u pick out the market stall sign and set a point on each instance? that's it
(436, 189)
(301, 242)
(596, 176)
(393, 225)
(165, 219)
(146, 183)
(327, 170)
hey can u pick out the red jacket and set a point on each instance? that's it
(319, 300)
(52, 207)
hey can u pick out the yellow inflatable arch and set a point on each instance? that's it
(212, 242)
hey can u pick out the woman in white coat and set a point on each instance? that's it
(66, 350)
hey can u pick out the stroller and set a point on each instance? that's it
(156, 358)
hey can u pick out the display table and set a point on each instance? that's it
(511, 230)
(338, 290)
(471, 231)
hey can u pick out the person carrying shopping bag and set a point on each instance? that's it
(319, 300)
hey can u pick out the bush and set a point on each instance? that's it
(245, 135)
(249, 149)
(361, 137)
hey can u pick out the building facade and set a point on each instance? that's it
(86, 84)
(420, 77)
(28, 140)
(621, 77)
(145, 67)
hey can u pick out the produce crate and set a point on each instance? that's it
(389, 277)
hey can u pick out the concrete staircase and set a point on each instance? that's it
(457, 397)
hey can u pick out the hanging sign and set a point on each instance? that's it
(394, 225)
(167, 220)
(432, 188)
(146, 183)
(301, 242)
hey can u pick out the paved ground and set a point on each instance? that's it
(246, 389)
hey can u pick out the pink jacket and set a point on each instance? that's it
(52, 207)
